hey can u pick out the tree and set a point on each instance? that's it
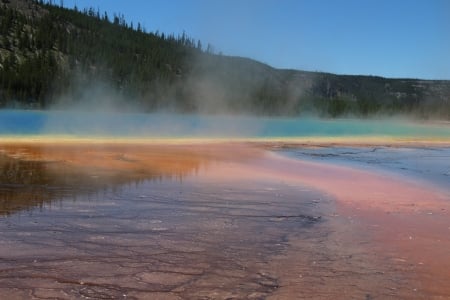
(210, 49)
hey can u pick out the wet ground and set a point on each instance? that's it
(154, 239)
(202, 222)
(430, 164)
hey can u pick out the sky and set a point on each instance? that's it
(389, 38)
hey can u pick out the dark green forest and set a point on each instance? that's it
(48, 52)
(51, 56)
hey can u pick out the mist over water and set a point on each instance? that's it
(165, 125)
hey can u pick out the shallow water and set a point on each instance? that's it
(70, 235)
(220, 225)
(428, 164)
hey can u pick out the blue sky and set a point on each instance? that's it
(391, 38)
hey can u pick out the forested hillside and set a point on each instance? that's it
(48, 52)
(52, 56)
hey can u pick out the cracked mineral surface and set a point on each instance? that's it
(211, 221)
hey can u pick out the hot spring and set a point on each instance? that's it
(147, 206)
(85, 124)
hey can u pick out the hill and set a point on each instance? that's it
(52, 56)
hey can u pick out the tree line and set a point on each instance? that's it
(43, 51)
(49, 52)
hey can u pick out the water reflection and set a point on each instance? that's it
(236, 231)
(33, 175)
(192, 240)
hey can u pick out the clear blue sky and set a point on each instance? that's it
(391, 38)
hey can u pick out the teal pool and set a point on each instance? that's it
(20, 122)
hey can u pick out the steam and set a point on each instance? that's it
(93, 94)
(218, 97)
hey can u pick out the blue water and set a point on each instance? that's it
(20, 122)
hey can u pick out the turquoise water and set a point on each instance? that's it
(19, 122)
